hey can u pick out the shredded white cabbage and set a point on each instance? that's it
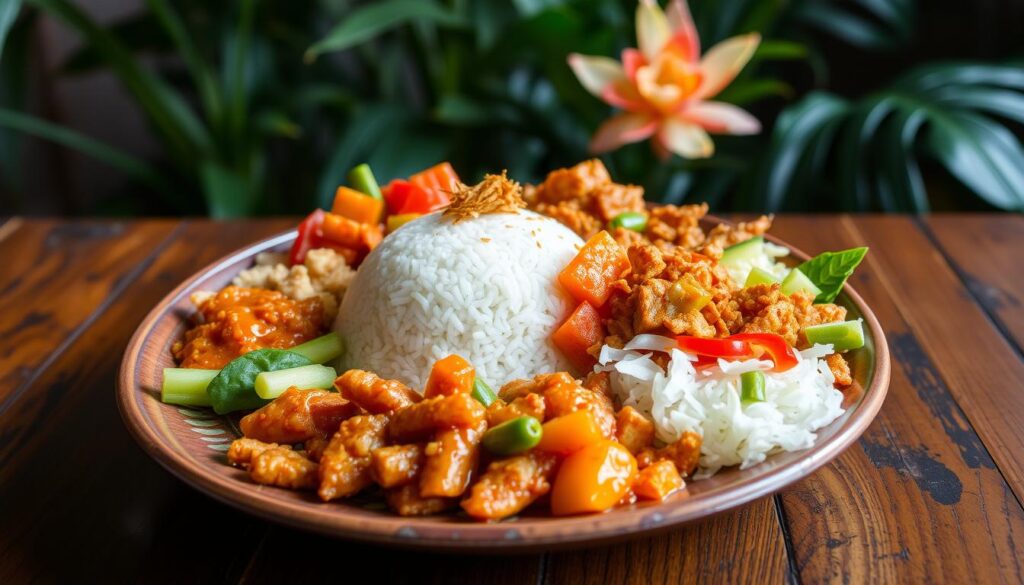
(767, 261)
(797, 402)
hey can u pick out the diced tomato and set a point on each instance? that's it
(580, 331)
(589, 275)
(396, 193)
(404, 198)
(774, 345)
(310, 236)
(440, 176)
(357, 206)
(716, 348)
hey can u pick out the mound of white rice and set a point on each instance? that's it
(797, 402)
(483, 288)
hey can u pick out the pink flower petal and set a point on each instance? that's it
(652, 29)
(595, 73)
(685, 139)
(623, 95)
(723, 62)
(721, 118)
(632, 60)
(684, 33)
(622, 129)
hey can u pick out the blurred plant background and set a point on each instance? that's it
(253, 107)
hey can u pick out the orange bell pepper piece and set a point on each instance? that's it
(449, 376)
(357, 206)
(580, 331)
(342, 231)
(658, 480)
(593, 479)
(570, 433)
(589, 275)
(440, 176)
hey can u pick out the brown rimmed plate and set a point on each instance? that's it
(191, 442)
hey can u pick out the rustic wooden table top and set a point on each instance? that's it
(932, 492)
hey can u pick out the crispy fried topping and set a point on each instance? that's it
(495, 194)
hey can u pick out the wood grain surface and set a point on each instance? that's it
(931, 493)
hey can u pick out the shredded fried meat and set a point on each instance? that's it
(495, 194)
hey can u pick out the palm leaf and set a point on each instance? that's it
(8, 12)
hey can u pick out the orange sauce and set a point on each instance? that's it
(239, 320)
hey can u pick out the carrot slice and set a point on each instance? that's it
(449, 376)
(589, 275)
(580, 331)
(570, 433)
(593, 479)
(440, 176)
(357, 206)
(342, 230)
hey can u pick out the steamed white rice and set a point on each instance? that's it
(483, 288)
(798, 401)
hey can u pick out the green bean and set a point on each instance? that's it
(513, 436)
(186, 386)
(361, 178)
(322, 349)
(752, 387)
(631, 220)
(483, 393)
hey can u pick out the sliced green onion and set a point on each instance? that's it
(270, 385)
(322, 349)
(759, 276)
(797, 281)
(361, 178)
(513, 436)
(483, 393)
(842, 335)
(752, 387)
(631, 220)
(186, 386)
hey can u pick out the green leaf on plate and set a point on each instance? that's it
(829, 271)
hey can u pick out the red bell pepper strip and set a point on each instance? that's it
(774, 345)
(728, 348)
(311, 235)
(404, 197)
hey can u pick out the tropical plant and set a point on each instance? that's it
(262, 107)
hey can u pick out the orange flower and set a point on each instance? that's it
(665, 86)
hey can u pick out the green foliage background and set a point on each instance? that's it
(263, 106)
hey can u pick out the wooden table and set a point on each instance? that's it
(932, 492)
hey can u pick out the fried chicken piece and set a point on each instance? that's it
(509, 485)
(529, 405)
(574, 183)
(567, 398)
(633, 430)
(450, 459)
(611, 199)
(315, 447)
(298, 415)
(655, 310)
(840, 369)
(243, 451)
(406, 501)
(421, 420)
(658, 480)
(599, 382)
(396, 465)
(373, 393)
(536, 385)
(646, 262)
(345, 464)
(684, 453)
(285, 468)
(724, 235)
(676, 225)
(569, 214)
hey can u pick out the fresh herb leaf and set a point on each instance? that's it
(234, 388)
(829, 271)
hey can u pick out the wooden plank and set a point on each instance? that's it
(985, 250)
(983, 371)
(740, 546)
(79, 501)
(56, 274)
(275, 562)
(918, 499)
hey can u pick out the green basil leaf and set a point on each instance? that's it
(829, 271)
(234, 387)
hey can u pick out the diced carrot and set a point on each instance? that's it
(357, 206)
(371, 234)
(658, 480)
(580, 331)
(570, 433)
(589, 275)
(449, 376)
(440, 176)
(593, 479)
(342, 230)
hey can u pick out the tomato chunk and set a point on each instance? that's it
(449, 376)
(580, 331)
(589, 275)
(593, 479)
